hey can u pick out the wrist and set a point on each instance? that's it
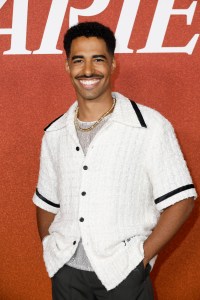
(145, 262)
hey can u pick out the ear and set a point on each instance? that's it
(113, 64)
(67, 66)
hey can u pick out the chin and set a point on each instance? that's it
(89, 97)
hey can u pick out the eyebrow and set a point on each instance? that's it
(100, 55)
(77, 56)
(94, 56)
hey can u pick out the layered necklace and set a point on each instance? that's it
(97, 122)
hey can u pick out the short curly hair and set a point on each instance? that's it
(90, 29)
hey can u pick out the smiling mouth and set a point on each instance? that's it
(89, 83)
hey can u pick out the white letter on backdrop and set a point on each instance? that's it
(55, 20)
(19, 27)
(125, 25)
(159, 27)
(53, 27)
(94, 9)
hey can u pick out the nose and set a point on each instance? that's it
(88, 68)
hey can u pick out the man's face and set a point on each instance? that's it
(90, 66)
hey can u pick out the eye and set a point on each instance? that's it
(99, 59)
(77, 61)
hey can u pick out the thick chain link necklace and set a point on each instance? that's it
(97, 122)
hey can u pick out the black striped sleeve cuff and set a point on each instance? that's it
(46, 200)
(173, 196)
(44, 203)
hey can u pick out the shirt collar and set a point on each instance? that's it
(125, 112)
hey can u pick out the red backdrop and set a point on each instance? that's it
(35, 89)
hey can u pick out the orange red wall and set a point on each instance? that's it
(35, 89)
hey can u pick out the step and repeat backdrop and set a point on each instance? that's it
(158, 65)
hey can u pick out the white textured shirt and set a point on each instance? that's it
(113, 196)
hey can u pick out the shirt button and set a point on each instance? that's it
(81, 219)
(74, 242)
(83, 193)
(77, 148)
(85, 167)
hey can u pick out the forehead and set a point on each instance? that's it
(88, 46)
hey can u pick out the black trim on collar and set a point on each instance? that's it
(172, 193)
(45, 200)
(52, 123)
(138, 113)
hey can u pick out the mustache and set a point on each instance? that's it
(96, 76)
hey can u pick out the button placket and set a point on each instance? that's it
(83, 193)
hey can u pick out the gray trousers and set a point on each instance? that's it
(73, 284)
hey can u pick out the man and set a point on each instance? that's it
(113, 186)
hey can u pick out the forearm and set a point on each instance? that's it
(44, 220)
(169, 223)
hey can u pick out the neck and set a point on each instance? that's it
(92, 110)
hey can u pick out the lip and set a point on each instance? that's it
(89, 83)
